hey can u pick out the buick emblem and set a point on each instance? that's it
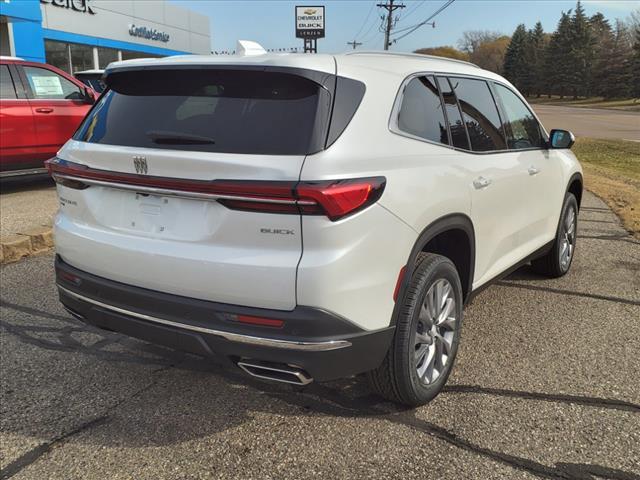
(140, 163)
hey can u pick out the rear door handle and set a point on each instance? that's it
(481, 182)
(533, 170)
(44, 110)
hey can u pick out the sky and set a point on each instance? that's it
(271, 23)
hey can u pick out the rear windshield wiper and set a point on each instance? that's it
(178, 138)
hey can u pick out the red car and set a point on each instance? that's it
(40, 108)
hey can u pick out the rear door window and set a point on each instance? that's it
(523, 130)
(226, 111)
(459, 137)
(46, 84)
(421, 111)
(7, 90)
(480, 114)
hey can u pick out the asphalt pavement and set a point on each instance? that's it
(546, 385)
(591, 122)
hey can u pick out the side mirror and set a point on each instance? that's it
(87, 96)
(561, 139)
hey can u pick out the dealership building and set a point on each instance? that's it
(77, 35)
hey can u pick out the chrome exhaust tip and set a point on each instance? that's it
(276, 372)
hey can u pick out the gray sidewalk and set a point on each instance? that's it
(26, 216)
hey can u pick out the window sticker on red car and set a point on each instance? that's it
(46, 85)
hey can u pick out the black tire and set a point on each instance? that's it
(552, 264)
(397, 378)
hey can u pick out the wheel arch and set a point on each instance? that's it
(575, 186)
(436, 238)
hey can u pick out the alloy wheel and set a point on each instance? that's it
(568, 238)
(435, 331)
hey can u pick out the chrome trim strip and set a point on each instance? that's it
(233, 337)
(177, 193)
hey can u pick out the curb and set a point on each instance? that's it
(31, 241)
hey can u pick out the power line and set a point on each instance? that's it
(376, 32)
(410, 30)
(354, 44)
(370, 28)
(411, 11)
(411, 27)
(365, 21)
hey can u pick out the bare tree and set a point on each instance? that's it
(633, 20)
(632, 24)
(490, 55)
(472, 39)
(444, 51)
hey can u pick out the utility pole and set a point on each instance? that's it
(354, 44)
(390, 8)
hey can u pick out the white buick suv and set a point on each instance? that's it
(308, 217)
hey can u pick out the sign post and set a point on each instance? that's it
(310, 26)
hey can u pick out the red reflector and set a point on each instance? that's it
(342, 197)
(69, 277)
(265, 322)
(396, 290)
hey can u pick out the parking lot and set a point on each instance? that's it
(546, 385)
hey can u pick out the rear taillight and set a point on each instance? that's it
(337, 198)
(333, 198)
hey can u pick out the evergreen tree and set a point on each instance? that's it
(583, 57)
(557, 61)
(603, 45)
(537, 41)
(581, 45)
(617, 83)
(515, 61)
(634, 65)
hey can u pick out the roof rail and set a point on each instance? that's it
(410, 55)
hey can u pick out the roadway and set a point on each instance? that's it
(591, 122)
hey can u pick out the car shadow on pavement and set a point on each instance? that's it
(179, 383)
(19, 184)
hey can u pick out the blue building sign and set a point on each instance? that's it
(77, 35)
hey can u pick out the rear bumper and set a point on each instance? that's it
(323, 344)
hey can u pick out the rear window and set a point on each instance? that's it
(7, 89)
(226, 111)
(421, 111)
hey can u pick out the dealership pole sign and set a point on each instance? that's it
(310, 26)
